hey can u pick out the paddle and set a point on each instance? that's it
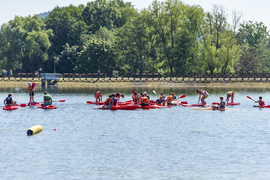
(60, 101)
(250, 98)
(22, 105)
(183, 96)
(133, 92)
(155, 93)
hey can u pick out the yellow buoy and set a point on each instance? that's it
(34, 130)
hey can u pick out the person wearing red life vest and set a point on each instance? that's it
(98, 96)
(261, 102)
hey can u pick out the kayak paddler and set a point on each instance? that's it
(261, 102)
(144, 101)
(221, 105)
(31, 92)
(108, 102)
(230, 94)
(118, 95)
(47, 99)
(161, 99)
(114, 100)
(169, 99)
(9, 100)
(135, 98)
(202, 95)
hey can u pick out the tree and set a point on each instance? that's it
(68, 28)
(97, 55)
(67, 60)
(25, 42)
(104, 13)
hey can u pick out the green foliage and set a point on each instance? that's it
(107, 35)
(97, 55)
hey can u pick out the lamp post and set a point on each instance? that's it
(56, 58)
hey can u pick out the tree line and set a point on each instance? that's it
(107, 35)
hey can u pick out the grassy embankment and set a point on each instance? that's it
(79, 83)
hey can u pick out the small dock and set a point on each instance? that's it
(50, 79)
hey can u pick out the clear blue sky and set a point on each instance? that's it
(252, 10)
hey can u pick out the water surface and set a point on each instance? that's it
(79, 142)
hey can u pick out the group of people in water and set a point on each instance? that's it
(47, 99)
(144, 100)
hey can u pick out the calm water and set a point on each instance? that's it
(174, 143)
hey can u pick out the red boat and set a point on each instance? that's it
(47, 107)
(10, 107)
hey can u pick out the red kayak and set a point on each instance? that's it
(48, 107)
(132, 107)
(267, 106)
(124, 107)
(102, 103)
(97, 103)
(10, 107)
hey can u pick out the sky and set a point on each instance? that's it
(256, 11)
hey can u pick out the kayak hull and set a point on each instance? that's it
(132, 107)
(49, 107)
(10, 107)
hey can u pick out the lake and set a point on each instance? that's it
(80, 142)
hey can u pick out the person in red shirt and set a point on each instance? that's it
(261, 102)
(98, 96)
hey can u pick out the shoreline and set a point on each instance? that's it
(142, 84)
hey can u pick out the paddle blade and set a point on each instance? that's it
(133, 92)
(89, 102)
(23, 105)
(249, 97)
(183, 96)
(62, 100)
(267, 106)
(215, 103)
(154, 92)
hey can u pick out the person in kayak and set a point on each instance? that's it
(118, 95)
(114, 100)
(169, 99)
(145, 94)
(161, 99)
(261, 102)
(9, 101)
(108, 102)
(202, 95)
(173, 96)
(47, 99)
(221, 105)
(144, 101)
(98, 96)
(230, 94)
(31, 92)
(135, 98)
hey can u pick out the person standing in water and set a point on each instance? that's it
(202, 95)
(31, 92)
(230, 94)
